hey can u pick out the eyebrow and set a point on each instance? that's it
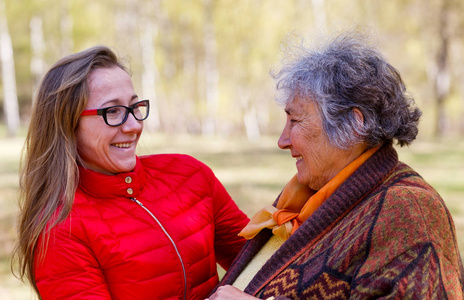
(288, 111)
(114, 101)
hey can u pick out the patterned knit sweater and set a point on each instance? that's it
(384, 233)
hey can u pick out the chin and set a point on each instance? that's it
(127, 167)
(306, 181)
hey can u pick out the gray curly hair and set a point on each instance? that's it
(344, 74)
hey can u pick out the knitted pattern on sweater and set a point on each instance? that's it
(384, 233)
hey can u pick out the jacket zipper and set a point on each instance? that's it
(170, 238)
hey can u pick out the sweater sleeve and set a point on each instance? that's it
(229, 220)
(413, 250)
(69, 269)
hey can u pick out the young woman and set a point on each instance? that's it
(99, 222)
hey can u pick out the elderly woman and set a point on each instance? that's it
(354, 222)
(99, 222)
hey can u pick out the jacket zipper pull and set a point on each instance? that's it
(136, 201)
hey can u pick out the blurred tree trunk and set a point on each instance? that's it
(126, 25)
(211, 71)
(320, 18)
(66, 29)
(250, 118)
(10, 98)
(149, 74)
(37, 51)
(442, 79)
(190, 75)
(247, 103)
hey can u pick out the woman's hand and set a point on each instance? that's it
(229, 292)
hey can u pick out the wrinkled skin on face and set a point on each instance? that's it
(317, 160)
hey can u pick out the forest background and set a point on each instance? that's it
(204, 65)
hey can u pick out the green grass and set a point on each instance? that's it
(253, 173)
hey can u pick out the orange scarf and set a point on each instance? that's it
(298, 202)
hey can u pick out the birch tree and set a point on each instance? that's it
(66, 29)
(10, 98)
(320, 18)
(211, 71)
(37, 52)
(442, 78)
(149, 31)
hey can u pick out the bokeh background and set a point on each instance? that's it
(204, 65)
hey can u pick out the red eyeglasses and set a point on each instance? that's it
(117, 115)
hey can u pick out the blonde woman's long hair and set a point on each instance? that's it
(49, 171)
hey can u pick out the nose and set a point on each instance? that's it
(132, 125)
(284, 139)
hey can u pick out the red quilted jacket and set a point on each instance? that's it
(154, 233)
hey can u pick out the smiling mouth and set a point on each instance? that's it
(122, 145)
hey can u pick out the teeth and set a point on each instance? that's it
(298, 158)
(122, 145)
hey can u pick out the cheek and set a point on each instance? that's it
(90, 138)
(313, 148)
(86, 147)
(80, 139)
(307, 139)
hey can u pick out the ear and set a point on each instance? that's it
(359, 123)
(358, 115)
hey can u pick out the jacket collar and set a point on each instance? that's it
(102, 186)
